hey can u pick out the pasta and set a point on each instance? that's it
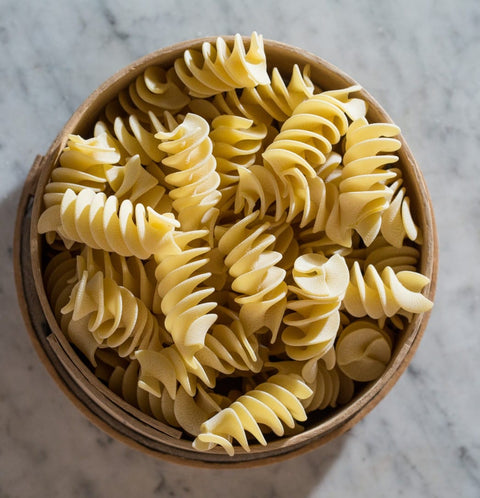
(380, 295)
(312, 327)
(271, 403)
(231, 252)
(219, 69)
(257, 279)
(189, 150)
(99, 222)
(363, 351)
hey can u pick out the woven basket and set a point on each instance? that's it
(90, 395)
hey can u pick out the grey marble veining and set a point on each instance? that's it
(420, 60)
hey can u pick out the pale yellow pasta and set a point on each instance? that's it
(384, 294)
(397, 221)
(237, 246)
(196, 180)
(236, 141)
(101, 223)
(132, 273)
(273, 403)
(106, 314)
(313, 325)
(363, 351)
(277, 99)
(136, 184)
(363, 195)
(218, 68)
(183, 299)
(257, 279)
(226, 349)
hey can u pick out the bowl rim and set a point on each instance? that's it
(282, 448)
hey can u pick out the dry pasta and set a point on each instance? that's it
(232, 251)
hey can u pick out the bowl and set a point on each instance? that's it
(111, 413)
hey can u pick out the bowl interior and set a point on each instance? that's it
(123, 421)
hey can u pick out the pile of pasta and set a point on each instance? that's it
(232, 249)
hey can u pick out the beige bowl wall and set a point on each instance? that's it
(110, 412)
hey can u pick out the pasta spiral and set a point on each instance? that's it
(236, 141)
(99, 222)
(397, 221)
(363, 351)
(111, 316)
(312, 327)
(219, 69)
(132, 273)
(257, 279)
(187, 318)
(383, 295)
(363, 195)
(136, 184)
(83, 164)
(226, 349)
(184, 411)
(276, 99)
(273, 403)
(189, 152)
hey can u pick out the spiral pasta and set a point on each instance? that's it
(226, 349)
(189, 152)
(397, 221)
(136, 184)
(257, 279)
(132, 273)
(363, 195)
(219, 69)
(379, 295)
(273, 403)
(313, 325)
(277, 99)
(99, 222)
(187, 318)
(363, 351)
(183, 411)
(114, 316)
(234, 248)
(236, 141)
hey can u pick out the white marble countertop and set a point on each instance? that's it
(420, 59)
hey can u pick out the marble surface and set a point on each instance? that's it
(420, 59)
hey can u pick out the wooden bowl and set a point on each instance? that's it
(89, 394)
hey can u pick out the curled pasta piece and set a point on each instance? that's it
(99, 221)
(363, 195)
(82, 164)
(236, 140)
(60, 278)
(381, 254)
(363, 351)
(196, 180)
(132, 273)
(306, 138)
(257, 279)
(166, 368)
(226, 349)
(276, 99)
(259, 188)
(397, 221)
(217, 69)
(313, 325)
(187, 318)
(273, 403)
(109, 315)
(184, 411)
(383, 294)
(136, 184)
